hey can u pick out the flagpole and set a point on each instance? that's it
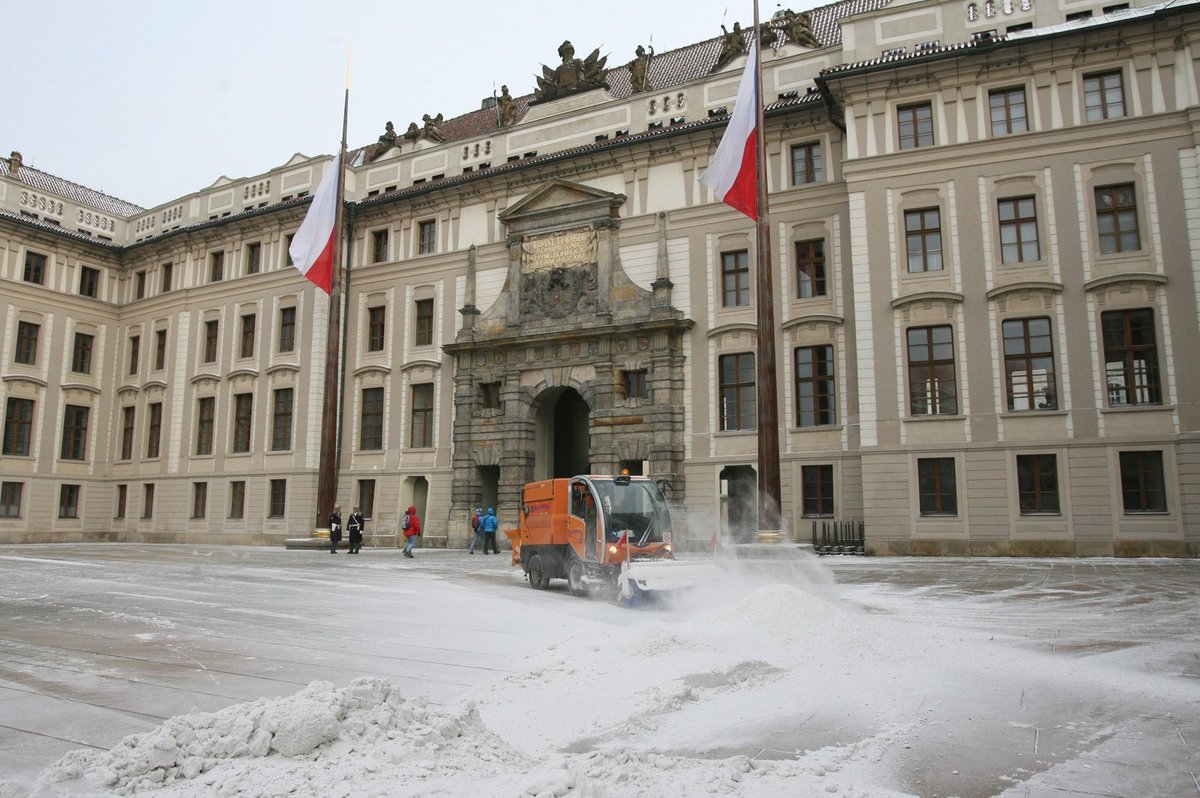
(327, 474)
(770, 526)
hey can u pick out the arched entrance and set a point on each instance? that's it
(562, 439)
(739, 502)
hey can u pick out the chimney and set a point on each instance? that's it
(14, 163)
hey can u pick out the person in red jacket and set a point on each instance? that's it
(412, 530)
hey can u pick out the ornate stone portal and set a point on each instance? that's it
(574, 367)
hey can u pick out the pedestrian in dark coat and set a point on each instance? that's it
(412, 530)
(354, 525)
(335, 528)
(476, 532)
(488, 526)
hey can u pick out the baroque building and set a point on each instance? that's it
(985, 223)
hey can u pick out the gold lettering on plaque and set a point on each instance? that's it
(566, 248)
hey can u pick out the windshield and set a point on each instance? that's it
(637, 507)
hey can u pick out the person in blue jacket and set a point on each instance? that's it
(488, 527)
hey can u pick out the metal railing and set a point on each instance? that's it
(839, 537)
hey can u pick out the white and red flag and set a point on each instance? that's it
(733, 173)
(312, 246)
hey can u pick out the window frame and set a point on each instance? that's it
(735, 278)
(212, 335)
(128, 427)
(167, 278)
(735, 393)
(808, 166)
(135, 354)
(1026, 361)
(636, 384)
(421, 432)
(1007, 120)
(249, 328)
(277, 499)
(1018, 225)
(35, 268)
(68, 500)
(1097, 104)
(18, 426)
(380, 241)
(147, 501)
(287, 329)
(942, 499)
(206, 415)
(929, 370)
(199, 501)
(1118, 213)
(89, 281)
(74, 433)
(25, 351)
(812, 280)
(821, 502)
(427, 237)
(376, 327)
(160, 350)
(929, 258)
(1132, 469)
(237, 499)
(921, 124)
(1037, 484)
(370, 425)
(216, 266)
(820, 388)
(1128, 349)
(423, 322)
(282, 413)
(253, 257)
(11, 494)
(154, 430)
(81, 352)
(243, 423)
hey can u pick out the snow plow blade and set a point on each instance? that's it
(640, 581)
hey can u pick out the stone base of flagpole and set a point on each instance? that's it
(769, 536)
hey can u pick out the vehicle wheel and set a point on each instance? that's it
(538, 579)
(575, 577)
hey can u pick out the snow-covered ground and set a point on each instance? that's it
(198, 670)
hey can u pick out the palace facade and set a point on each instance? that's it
(985, 222)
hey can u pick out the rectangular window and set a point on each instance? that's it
(199, 499)
(817, 488)
(253, 258)
(810, 268)
(68, 501)
(148, 500)
(932, 388)
(738, 398)
(35, 268)
(1037, 484)
(1029, 365)
(81, 353)
(815, 388)
(376, 322)
(10, 499)
(122, 499)
(160, 349)
(489, 395)
(422, 416)
(140, 283)
(27, 342)
(636, 386)
(248, 324)
(1130, 358)
(243, 414)
(287, 329)
(366, 497)
(370, 431)
(74, 433)
(135, 353)
(1018, 230)
(281, 421)
(735, 279)
(89, 281)
(237, 498)
(168, 274)
(205, 416)
(287, 249)
(936, 484)
(18, 426)
(211, 329)
(428, 237)
(916, 125)
(424, 329)
(806, 163)
(154, 430)
(278, 498)
(1117, 219)
(128, 425)
(216, 267)
(1008, 112)
(1143, 489)
(923, 239)
(1103, 96)
(379, 246)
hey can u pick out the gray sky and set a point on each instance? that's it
(150, 100)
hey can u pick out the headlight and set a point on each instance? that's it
(668, 547)
(612, 550)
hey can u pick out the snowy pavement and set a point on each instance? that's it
(298, 672)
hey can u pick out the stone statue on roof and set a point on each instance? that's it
(413, 133)
(639, 69)
(732, 46)
(506, 108)
(572, 76)
(432, 129)
(798, 28)
(386, 141)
